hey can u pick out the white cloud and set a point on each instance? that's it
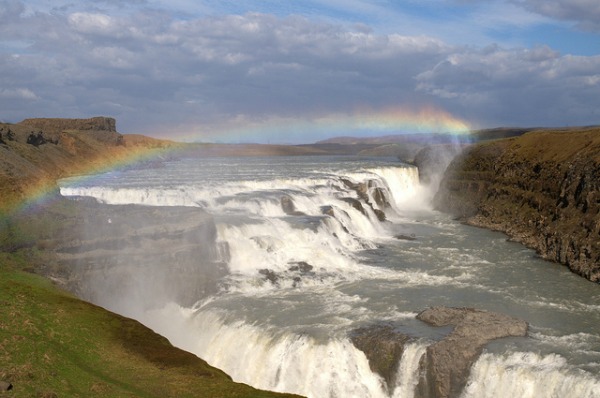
(586, 13)
(162, 71)
(93, 23)
(18, 94)
(527, 86)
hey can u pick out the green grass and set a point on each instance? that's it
(53, 344)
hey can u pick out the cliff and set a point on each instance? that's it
(57, 125)
(36, 152)
(542, 189)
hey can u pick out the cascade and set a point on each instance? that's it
(311, 256)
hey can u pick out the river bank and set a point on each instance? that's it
(542, 189)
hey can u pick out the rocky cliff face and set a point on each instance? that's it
(542, 189)
(444, 368)
(56, 125)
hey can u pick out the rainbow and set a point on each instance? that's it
(43, 191)
(362, 122)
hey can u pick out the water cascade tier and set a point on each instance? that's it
(319, 268)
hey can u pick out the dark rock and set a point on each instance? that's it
(328, 211)
(444, 368)
(380, 214)
(383, 347)
(362, 190)
(270, 275)
(5, 386)
(287, 204)
(302, 266)
(405, 237)
(355, 203)
(380, 197)
(36, 139)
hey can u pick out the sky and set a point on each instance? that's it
(301, 71)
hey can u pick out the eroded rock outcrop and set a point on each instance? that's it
(383, 346)
(289, 207)
(446, 363)
(54, 125)
(542, 189)
(364, 190)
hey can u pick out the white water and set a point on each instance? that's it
(291, 333)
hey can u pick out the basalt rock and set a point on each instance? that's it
(383, 347)
(405, 237)
(444, 368)
(362, 190)
(356, 204)
(5, 386)
(288, 206)
(301, 266)
(542, 189)
(269, 275)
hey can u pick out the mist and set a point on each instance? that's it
(131, 259)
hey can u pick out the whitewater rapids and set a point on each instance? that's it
(303, 277)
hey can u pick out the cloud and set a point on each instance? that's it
(586, 13)
(18, 94)
(527, 86)
(159, 74)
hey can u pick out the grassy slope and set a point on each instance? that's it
(55, 345)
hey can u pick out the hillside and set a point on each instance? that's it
(541, 189)
(36, 152)
(53, 344)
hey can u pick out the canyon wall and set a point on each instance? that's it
(542, 189)
(57, 125)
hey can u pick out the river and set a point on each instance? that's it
(311, 259)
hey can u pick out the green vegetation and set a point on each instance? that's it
(52, 344)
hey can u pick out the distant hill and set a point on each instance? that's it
(407, 146)
(422, 138)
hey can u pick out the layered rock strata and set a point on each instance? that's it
(542, 189)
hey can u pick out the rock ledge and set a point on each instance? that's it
(445, 365)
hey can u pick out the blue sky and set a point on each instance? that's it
(272, 71)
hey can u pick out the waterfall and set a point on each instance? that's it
(316, 250)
